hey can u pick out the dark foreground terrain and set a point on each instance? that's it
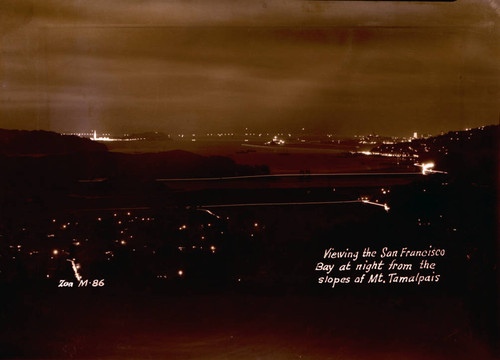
(99, 260)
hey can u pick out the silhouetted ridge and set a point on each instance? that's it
(23, 142)
(123, 167)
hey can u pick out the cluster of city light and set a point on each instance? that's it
(371, 139)
(399, 155)
(276, 141)
(106, 137)
(253, 226)
(102, 138)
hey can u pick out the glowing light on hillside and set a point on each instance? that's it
(426, 168)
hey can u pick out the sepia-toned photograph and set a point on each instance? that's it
(249, 179)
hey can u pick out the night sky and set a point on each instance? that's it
(195, 65)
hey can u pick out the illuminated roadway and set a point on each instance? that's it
(361, 201)
(300, 180)
(246, 177)
(283, 203)
(203, 207)
(299, 176)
